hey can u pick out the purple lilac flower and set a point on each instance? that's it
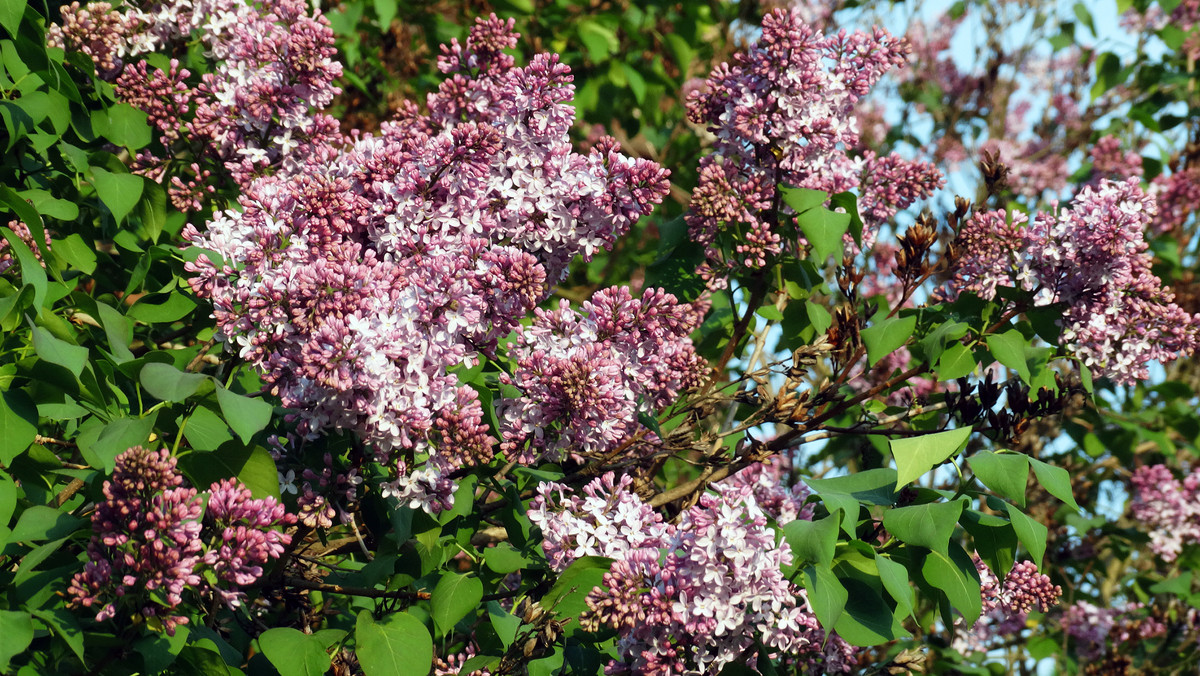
(358, 278)
(783, 113)
(688, 597)
(1093, 258)
(1170, 508)
(149, 548)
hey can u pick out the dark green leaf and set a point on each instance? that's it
(959, 583)
(116, 438)
(127, 127)
(71, 357)
(32, 272)
(253, 466)
(40, 522)
(18, 424)
(566, 597)
(158, 310)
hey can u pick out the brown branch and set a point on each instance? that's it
(401, 594)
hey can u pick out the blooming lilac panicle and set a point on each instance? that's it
(1092, 257)
(358, 278)
(1093, 629)
(1169, 507)
(782, 112)
(1177, 195)
(585, 376)
(96, 30)
(767, 482)
(608, 520)
(687, 598)
(149, 546)
(1007, 603)
(1109, 161)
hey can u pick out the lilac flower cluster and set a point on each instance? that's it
(782, 113)
(1168, 506)
(766, 481)
(254, 114)
(1092, 628)
(689, 597)
(1007, 604)
(361, 277)
(1177, 195)
(149, 546)
(585, 376)
(1092, 257)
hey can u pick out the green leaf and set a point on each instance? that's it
(51, 349)
(637, 83)
(77, 253)
(812, 541)
(566, 597)
(385, 11)
(505, 623)
(119, 192)
(895, 579)
(826, 595)
(885, 337)
(115, 438)
(158, 310)
(168, 383)
(959, 583)
(504, 558)
(1009, 349)
(205, 430)
(823, 229)
(934, 344)
(400, 645)
(818, 316)
(454, 596)
(1004, 473)
(599, 41)
(957, 361)
(848, 201)
(867, 620)
(294, 652)
(253, 466)
(160, 651)
(1031, 533)
(119, 331)
(127, 127)
(1056, 481)
(803, 199)
(18, 424)
(17, 629)
(928, 526)
(65, 626)
(917, 455)
(32, 272)
(874, 486)
(246, 415)
(40, 522)
(11, 12)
